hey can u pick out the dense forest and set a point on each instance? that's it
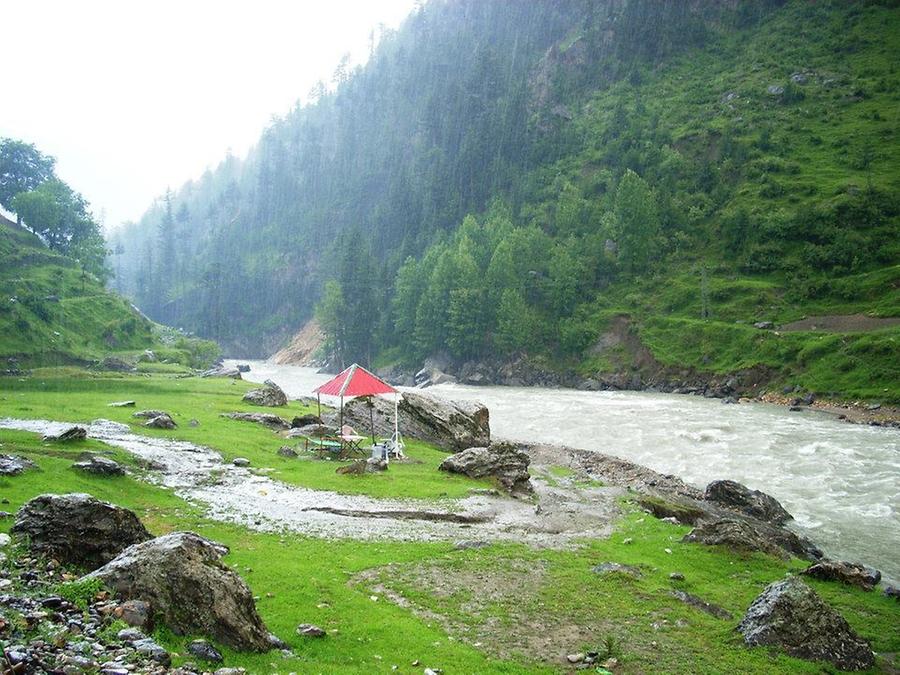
(502, 178)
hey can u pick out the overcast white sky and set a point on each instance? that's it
(134, 97)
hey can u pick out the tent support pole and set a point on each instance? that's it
(319, 404)
(372, 418)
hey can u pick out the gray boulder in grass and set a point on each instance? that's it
(190, 590)
(789, 615)
(502, 461)
(78, 529)
(271, 395)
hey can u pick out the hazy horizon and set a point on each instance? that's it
(132, 100)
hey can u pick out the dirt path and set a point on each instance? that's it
(841, 323)
(555, 518)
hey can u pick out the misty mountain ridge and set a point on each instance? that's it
(500, 180)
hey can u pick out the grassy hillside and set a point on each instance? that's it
(799, 215)
(53, 313)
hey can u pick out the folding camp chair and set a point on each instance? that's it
(394, 445)
(351, 440)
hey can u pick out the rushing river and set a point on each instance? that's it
(840, 481)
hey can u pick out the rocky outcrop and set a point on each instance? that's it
(183, 579)
(115, 364)
(70, 434)
(745, 535)
(266, 419)
(789, 615)
(504, 462)
(733, 495)
(78, 529)
(451, 425)
(100, 466)
(852, 574)
(303, 348)
(12, 465)
(270, 396)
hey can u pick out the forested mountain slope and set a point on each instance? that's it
(695, 168)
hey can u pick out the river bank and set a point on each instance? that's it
(355, 580)
(754, 384)
(839, 481)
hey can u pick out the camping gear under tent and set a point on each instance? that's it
(357, 381)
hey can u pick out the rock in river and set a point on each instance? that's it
(502, 461)
(790, 615)
(183, 579)
(271, 395)
(733, 495)
(222, 371)
(78, 529)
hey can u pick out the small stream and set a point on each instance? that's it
(840, 481)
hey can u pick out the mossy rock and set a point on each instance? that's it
(685, 514)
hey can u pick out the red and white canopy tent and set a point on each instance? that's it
(357, 381)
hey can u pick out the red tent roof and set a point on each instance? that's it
(355, 381)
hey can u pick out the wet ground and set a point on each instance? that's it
(560, 511)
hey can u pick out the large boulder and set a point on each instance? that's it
(271, 396)
(733, 495)
(744, 535)
(451, 425)
(78, 529)
(222, 371)
(852, 574)
(504, 462)
(789, 615)
(182, 577)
